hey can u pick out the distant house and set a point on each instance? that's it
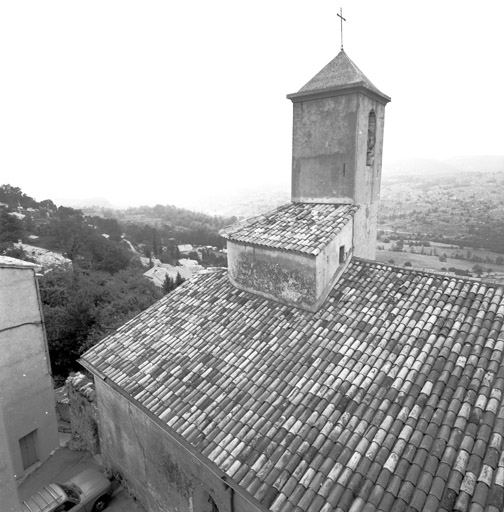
(146, 262)
(28, 425)
(17, 215)
(192, 265)
(185, 248)
(158, 274)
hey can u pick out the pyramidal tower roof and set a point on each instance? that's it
(339, 75)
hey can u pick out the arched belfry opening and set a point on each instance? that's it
(203, 501)
(371, 138)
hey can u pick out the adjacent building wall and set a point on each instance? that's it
(9, 497)
(162, 472)
(26, 387)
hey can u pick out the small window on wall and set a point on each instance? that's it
(342, 254)
(371, 138)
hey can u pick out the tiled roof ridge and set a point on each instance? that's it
(332, 227)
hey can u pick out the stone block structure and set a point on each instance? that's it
(83, 413)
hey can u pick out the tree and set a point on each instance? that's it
(15, 197)
(11, 229)
(47, 203)
(398, 246)
(179, 280)
(478, 269)
(116, 258)
(168, 284)
(155, 242)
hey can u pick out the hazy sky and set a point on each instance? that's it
(151, 101)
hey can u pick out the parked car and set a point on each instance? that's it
(89, 491)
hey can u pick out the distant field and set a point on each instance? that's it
(450, 250)
(428, 262)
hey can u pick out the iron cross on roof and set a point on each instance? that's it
(340, 15)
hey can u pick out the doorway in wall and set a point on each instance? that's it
(28, 447)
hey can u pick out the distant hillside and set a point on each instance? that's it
(489, 163)
(466, 208)
(414, 166)
(98, 202)
(243, 203)
(426, 166)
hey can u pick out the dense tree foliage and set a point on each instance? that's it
(82, 306)
(157, 226)
(14, 197)
(11, 229)
(170, 284)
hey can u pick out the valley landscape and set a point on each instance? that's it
(93, 259)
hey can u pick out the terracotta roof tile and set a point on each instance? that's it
(296, 227)
(389, 397)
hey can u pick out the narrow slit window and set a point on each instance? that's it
(342, 254)
(371, 138)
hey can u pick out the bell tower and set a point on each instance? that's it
(337, 145)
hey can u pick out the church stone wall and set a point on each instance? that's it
(329, 159)
(159, 469)
(283, 276)
(329, 267)
(323, 149)
(368, 179)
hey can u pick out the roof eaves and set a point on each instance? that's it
(340, 90)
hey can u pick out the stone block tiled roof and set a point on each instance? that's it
(389, 398)
(298, 227)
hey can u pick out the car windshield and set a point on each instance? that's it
(71, 492)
